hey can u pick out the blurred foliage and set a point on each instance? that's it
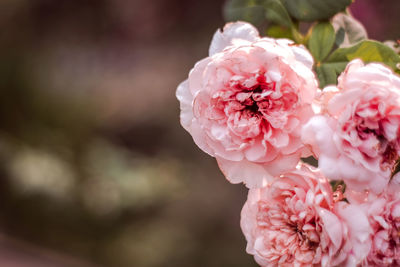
(312, 10)
(94, 163)
(257, 12)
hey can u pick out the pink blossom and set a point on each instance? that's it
(295, 222)
(384, 214)
(245, 104)
(356, 137)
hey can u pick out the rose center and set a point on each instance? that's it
(304, 237)
(263, 98)
(366, 128)
(250, 104)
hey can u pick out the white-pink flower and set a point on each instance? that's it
(245, 104)
(295, 222)
(356, 137)
(383, 212)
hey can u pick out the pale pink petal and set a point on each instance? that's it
(186, 104)
(195, 80)
(319, 135)
(255, 152)
(357, 221)
(281, 164)
(238, 171)
(332, 226)
(233, 32)
(302, 55)
(200, 138)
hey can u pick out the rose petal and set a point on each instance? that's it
(232, 33)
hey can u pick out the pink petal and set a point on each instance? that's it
(332, 226)
(233, 33)
(186, 102)
(252, 174)
(196, 78)
(281, 164)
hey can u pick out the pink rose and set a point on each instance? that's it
(384, 214)
(245, 104)
(356, 137)
(295, 222)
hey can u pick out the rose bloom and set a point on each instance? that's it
(295, 222)
(245, 104)
(383, 213)
(356, 137)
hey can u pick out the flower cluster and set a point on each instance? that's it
(254, 104)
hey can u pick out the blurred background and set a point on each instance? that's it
(95, 169)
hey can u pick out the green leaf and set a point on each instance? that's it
(367, 51)
(245, 10)
(276, 31)
(321, 40)
(257, 12)
(339, 37)
(276, 12)
(353, 31)
(312, 10)
(327, 73)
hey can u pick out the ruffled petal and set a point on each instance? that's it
(252, 174)
(233, 33)
(186, 104)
